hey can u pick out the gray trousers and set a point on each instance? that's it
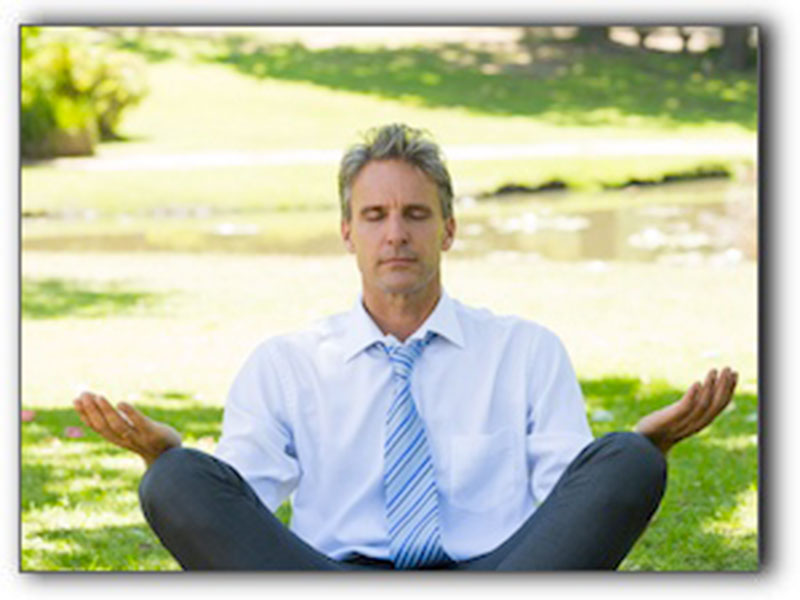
(208, 517)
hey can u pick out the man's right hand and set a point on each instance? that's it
(126, 427)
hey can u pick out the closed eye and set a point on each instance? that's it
(374, 213)
(418, 212)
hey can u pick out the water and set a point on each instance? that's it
(678, 223)
(681, 223)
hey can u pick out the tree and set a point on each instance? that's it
(735, 48)
(594, 36)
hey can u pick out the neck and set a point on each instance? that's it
(401, 314)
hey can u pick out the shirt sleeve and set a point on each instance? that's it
(557, 428)
(256, 438)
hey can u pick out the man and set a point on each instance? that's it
(414, 432)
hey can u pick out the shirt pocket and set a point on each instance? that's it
(482, 470)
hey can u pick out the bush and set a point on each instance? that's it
(74, 91)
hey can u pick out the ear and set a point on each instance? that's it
(346, 228)
(449, 233)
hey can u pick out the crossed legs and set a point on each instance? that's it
(208, 517)
(593, 516)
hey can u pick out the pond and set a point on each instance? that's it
(679, 223)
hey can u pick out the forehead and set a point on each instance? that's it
(393, 180)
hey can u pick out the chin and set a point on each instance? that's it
(402, 285)
(397, 288)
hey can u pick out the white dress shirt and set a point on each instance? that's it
(500, 401)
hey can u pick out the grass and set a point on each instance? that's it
(55, 298)
(574, 86)
(175, 354)
(327, 95)
(561, 83)
(707, 520)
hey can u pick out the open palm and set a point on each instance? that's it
(126, 427)
(699, 406)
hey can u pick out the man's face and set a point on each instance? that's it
(396, 228)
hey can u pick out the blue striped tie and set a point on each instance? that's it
(412, 505)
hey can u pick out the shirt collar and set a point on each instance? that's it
(362, 332)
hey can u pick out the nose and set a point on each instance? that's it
(396, 230)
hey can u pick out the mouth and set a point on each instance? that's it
(398, 261)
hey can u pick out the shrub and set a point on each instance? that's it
(74, 90)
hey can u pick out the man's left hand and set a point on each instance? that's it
(699, 406)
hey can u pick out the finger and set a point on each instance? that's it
(136, 418)
(81, 411)
(115, 422)
(80, 404)
(734, 382)
(715, 403)
(727, 394)
(708, 385)
(663, 423)
(97, 420)
(719, 400)
(694, 406)
(724, 389)
(722, 394)
(90, 408)
(705, 397)
(678, 412)
(91, 413)
(145, 429)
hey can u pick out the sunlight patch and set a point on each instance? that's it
(743, 521)
(733, 443)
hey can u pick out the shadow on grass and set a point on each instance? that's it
(58, 298)
(710, 474)
(153, 48)
(577, 87)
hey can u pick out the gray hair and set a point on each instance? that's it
(396, 141)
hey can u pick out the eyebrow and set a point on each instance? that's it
(413, 206)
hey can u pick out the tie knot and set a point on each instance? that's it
(404, 356)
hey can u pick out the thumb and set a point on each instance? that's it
(137, 419)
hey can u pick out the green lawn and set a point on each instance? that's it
(168, 332)
(574, 86)
(290, 95)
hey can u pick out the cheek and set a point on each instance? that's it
(364, 245)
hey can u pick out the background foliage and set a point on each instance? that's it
(73, 92)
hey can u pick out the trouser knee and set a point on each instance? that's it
(170, 480)
(640, 471)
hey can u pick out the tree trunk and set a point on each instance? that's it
(734, 47)
(593, 35)
(685, 37)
